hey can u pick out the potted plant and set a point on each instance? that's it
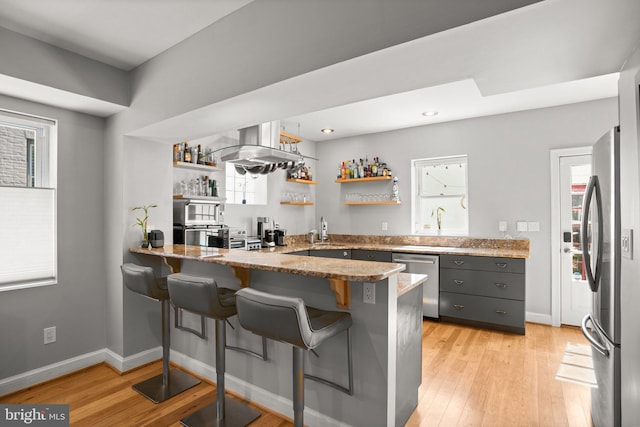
(437, 212)
(143, 222)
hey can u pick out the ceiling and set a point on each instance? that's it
(121, 33)
(551, 53)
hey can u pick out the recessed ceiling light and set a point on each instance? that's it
(430, 113)
(327, 130)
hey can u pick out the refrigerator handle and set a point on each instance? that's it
(595, 344)
(593, 276)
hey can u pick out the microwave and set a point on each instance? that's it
(190, 212)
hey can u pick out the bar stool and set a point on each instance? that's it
(202, 296)
(288, 320)
(143, 281)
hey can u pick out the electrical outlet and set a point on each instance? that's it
(50, 335)
(502, 226)
(385, 226)
(369, 293)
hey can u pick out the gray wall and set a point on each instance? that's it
(509, 176)
(75, 305)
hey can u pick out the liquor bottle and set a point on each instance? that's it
(343, 171)
(200, 153)
(356, 170)
(187, 153)
(374, 167)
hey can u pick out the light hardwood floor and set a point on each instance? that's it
(470, 377)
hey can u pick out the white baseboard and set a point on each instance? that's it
(253, 393)
(124, 364)
(35, 376)
(240, 387)
(544, 319)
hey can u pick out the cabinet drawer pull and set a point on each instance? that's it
(458, 282)
(502, 312)
(501, 264)
(458, 262)
(371, 257)
(458, 306)
(501, 285)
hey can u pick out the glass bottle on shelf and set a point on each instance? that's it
(187, 153)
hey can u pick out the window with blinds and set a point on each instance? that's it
(28, 200)
(439, 196)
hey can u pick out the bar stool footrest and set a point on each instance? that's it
(154, 390)
(237, 414)
(337, 386)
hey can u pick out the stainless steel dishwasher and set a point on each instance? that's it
(429, 265)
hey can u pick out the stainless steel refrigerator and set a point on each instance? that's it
(601, 251)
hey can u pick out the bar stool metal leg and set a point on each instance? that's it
(172, 381)
(223, 412)
(298, 386)
(221, 343)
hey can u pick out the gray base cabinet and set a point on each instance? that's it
(369, 255)
(331, 253)
(483, 291)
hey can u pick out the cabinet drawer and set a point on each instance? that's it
(482, 309)
(302, 253)
(367, 255)
(484, 283)
(465, 262)
(331, 253)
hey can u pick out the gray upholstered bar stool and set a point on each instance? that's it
(287, 319)
(143, 281)
(201, 295)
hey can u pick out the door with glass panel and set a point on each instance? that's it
(575, 294)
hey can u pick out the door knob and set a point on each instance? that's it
(567, 250)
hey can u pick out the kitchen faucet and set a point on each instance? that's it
(324, 232)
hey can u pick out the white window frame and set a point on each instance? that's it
(234, 183)
(415, 194)
(46, 149)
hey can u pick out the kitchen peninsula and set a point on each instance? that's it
(386, 332)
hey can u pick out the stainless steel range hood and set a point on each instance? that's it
(259, 151)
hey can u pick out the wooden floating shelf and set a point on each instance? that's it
(373, 178)
(297, 203)
(373, 203)
(302, 181)
(195, 166)
(287, 138)
(215, 199)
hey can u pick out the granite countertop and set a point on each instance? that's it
(272, 260)
(408, 281)
(488, 247)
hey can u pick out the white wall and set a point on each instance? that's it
(509, 176)
(76, 304)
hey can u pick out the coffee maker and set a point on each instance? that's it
(279, 235)
(265, 231)
(263, 224)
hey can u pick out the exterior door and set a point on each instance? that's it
(575, 291)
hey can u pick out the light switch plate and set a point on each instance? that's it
(502, 226)
(627, 243)
(521, 226)
(533, 226)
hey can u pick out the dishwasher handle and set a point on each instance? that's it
(414, 261)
